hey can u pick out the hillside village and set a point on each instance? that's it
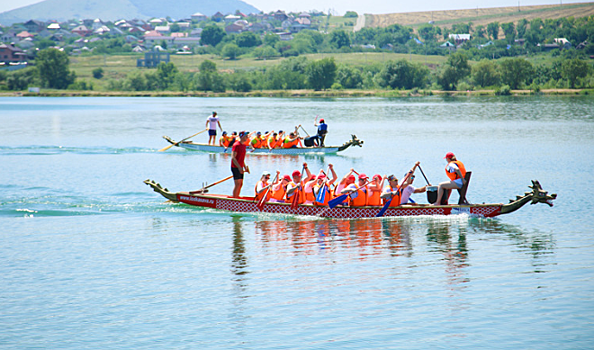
(21, 40)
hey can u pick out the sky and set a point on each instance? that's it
(339, 7)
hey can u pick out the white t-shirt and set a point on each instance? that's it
(213, 120)
(406, 192)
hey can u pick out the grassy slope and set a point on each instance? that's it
(481, 16)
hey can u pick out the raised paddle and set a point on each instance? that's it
(336, 201)
(304, 130)
(203, 189)
(424, 174)
(178, 142)
(385, 207)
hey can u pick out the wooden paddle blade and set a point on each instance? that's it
(166, 148)
(295, 200)
(336, 201)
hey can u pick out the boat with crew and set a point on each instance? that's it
(192, 146)
(200, 198)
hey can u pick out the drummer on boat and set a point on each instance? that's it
(456, 171)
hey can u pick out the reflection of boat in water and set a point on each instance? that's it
(189, 145)
(249, 205)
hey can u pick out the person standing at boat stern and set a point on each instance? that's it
(238, 167)
(211, 123)
(322, 131)
(456, 171)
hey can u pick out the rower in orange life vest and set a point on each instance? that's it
(391, 192)
(258, 141)
(358, 193)
(226, 140)
(279, 190)
(263, 185)
(375, 188)
(275, 140)
(292, 141)
(323, 183)
(295, 187)
(456, 171)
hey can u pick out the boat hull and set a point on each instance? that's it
(248, 205)
(218, 149)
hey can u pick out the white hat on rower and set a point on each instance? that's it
(265, 173)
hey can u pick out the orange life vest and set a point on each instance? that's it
(226, 140)
(361, 199)
(289, 144)
(261, 194)
(395, 199)
(374, 197)
(301, 198)
(257, 142)
(279, 194)
(327, 197)
(310, 196)
(454, 176)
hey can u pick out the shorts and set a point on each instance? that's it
(459, 183)
(212, 132)
(236, 174)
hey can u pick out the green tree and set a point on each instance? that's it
(52, 67)
(320, 74)
(135, 82)
(166, 74)
(574, 69)
(339, 38)
(98, 73)
(402, 74)
(348, 77)
(207, 66)
(521, 27)
(493, 30)
(230, 51)
(212, 35)
(265, 52)
(455, 69)
(351, 14)
(515, 71)
(271, 39)
(485, 73)
(509, 30)
(248, 39)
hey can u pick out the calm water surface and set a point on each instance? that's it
(91, 258)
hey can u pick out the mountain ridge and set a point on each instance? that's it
(63, 10)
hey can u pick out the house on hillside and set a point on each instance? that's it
(53, 26)
(563, 43)
(231, 18)
(280, 15)
(81, 30)
(24, 34)
(233, 29)
(459, 39)
(448, 45)
(217, 17)
(198, 17)
(34, 26)
(11, 54)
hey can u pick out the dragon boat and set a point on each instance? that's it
(192, 146)
(200, 198)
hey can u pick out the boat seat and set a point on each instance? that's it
(461, 191)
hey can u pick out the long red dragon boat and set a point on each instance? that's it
(249, 205)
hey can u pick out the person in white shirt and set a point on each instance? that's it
(211, 123)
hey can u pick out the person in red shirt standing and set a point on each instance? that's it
(238, 166)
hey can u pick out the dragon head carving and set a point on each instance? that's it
(539, 195)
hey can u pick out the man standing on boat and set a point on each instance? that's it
(322, 131)
(211, 123)
(238, 167)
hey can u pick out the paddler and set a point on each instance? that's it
(456, 171)
(258, 141)
(391, 192)
(295, 187)
(226, 140)
(279, 190)
(238, 166)
(375, 188)
(264, 184)
(292, 141)
(358, 193)
(406, 188)
(323, 183)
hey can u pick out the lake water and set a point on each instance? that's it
(91, 258)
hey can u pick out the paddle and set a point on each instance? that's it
(178, 142)
(262, 200)
(321, 196)
(202, 190)
(336, 201)
(385, 207)
(424, 174)
(302, 128)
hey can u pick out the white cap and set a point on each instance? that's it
(264, 173)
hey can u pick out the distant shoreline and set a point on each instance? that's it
(292, 93)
